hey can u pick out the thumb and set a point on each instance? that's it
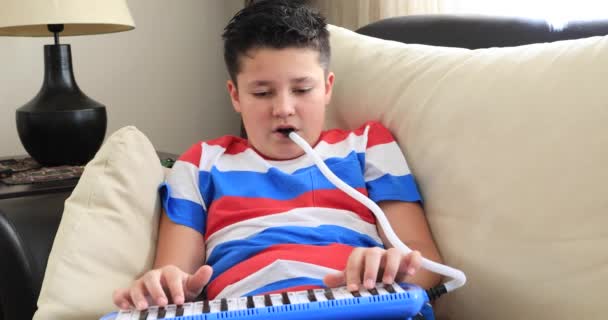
(333, 280)
(197, 281)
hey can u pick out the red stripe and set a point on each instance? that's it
(337, 135)
(193, 155)
(332, 256)
(378, 134)
(232, 144)
(229, 209)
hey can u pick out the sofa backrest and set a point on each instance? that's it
(508, 146)
(479, 31)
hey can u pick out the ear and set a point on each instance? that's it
(234, 95)
(329, 85)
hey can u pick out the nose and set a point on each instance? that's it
(283, 106)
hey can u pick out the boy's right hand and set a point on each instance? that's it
(155, 284)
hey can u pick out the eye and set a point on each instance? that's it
(302, 90)
(261, 94)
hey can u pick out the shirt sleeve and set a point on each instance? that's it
(182, 193)
(387, 175)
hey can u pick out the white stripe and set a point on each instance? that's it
(276, 271)
(183, 182)
(250, 161)
(385, 158)
(247, 160)
(300, 217)
(210, 153)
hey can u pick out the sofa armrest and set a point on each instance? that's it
(27, 230)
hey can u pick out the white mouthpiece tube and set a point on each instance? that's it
(457, 276)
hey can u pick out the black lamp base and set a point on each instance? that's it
(61, 125)
(64, 137)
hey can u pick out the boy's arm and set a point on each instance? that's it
(179, 245)
(177, 275)
(409, 224)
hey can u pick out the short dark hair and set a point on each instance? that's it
(275, 24)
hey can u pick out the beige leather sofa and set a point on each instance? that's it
(509, 147)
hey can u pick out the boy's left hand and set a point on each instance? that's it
(366, 266)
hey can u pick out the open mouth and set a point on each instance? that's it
(285, 130)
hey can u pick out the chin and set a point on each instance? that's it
(288, 153)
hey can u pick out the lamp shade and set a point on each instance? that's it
(29, 18)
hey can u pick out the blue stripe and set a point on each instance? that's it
(389, 187)
(184, 212)
(205, 187)
(230, 253)
(286, 284)
(278, 185)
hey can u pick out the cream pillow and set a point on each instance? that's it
(107, 234)
(509, 147)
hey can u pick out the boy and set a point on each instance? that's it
(248, 217)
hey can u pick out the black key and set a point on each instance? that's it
(161, 313)
(179, 311)
(311, 295)
(223, 304)
(285, 298)
(329, 294)
(267, 301)
(143, 315)
(356, 294)
(373, 291)
(206, 308)
(250, 303)
(389, 288)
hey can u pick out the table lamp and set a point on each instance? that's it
(61, 125)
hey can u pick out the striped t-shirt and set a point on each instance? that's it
(272, 226)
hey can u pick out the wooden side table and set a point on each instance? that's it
(24, 190)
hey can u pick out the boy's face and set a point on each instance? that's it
(281, 88)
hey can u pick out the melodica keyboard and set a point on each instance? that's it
(397, 301)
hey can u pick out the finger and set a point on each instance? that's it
(412, 262)
(152, 283)
(335, 279)
(373, 258)
(391, 265)
(195, 283)
(173, 279)
(122, 298)
(354, 269)
(138, 296)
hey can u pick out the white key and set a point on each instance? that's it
(242, 303)
(397, 287)
(198, 308)
(233, 304)
(276, 299)
(296, 297)
(152, 313)
(124, 315)
(320, 294)
(188, 309)
(364, 292)
(381, 290)
(215, 305)
(258, 301)
(170, 311)
(135, 314)
(342, 293)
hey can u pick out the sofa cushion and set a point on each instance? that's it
(107, 235)
(509, 147)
